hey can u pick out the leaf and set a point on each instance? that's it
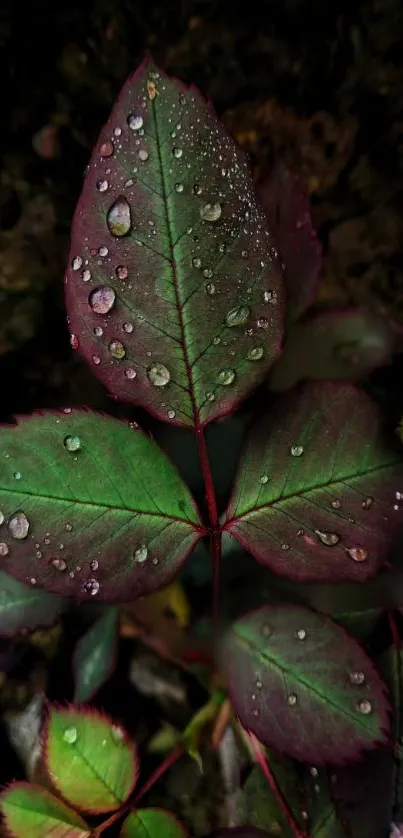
(95, 655)
(259, 806)
(239, 832)
(150, 822)
(361, 623)
(90, 760)
(342, 344)
(303, 686)
(30, 810)
(91, 507)
(173, 287)
(317, 494)
(289, 217)
(24, 609)
(391, 667)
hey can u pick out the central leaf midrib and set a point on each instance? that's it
(165, 194)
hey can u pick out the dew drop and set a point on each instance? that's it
(135, 121)
(3, 548)
(106, 149)
(17, 475)
(171, 413)
(92, 587)
(143, 155)
(264, 478)
(96, 360)
(210, 396)
(263, 323)
(336, 503)
(102, 299)
(140, 554)
(301, 634)
(74, 342)
(59, 564)
(159, 375)
(255, 354)
(72, 443)
(357, 554)
(357, 678)
(122, 272)
(210, 288)
(211, 212)
(178, 187)
(86, 275)
(70, 735)
(177, 152)
(222, 247)
(69, 527)
(94, 564)
(292, 700)
(102, 185)
(196, 262)
(19, 525)
(117, 350)
(255, 712)
(197, 189)
(270, 297)
(237, 316)
(226, 377)
(329, 539)
(364, 706)
(1, 518)
(118, 217)
(117, 734)
(313, 771)
(208, 273)
(367, 503)
(130, 373)
(297, 450)
(76, 263)
(103, 251)
(98, 331)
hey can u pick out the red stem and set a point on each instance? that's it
(215, 542)
(268, 774)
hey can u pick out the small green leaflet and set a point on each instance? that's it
(90, 760)
(147, 823)
(174, 287)
(303, 686)
(25, 608)
(318, 490)
(95, 655)
(90, 507)
(30, 811)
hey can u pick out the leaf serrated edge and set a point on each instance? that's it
(45, 793)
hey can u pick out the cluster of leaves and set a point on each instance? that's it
(182, 285)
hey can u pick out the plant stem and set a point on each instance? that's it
(268, 774)
(215, 541)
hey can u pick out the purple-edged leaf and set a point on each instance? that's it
(345, 344)
(174, 289)
(391, 667)
(149, 822)
(303, 685)
(23, 608)
(317, 495)
(30, 810)
(90, 507)
(259, 806)
(90, 760)
(288, 213)
(95, 655)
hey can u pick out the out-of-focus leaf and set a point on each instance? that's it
(391, 666)
(90, 760)
(318, 491)
(288, 213)
(23, 608)
(30, 810)
(95, 655)
(344, 345)
(303, 686)
(259, 807)
(91, 508)
(173, 287)
(152, 822)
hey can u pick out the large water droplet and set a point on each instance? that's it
(264, 478)
(59, 564)
(70, 735)
(255, 354)
(130, 373)
(117, 350)
(19, 525)
(237, 316)
(297, 450)
(140, 554)
(159, 375)
(171, 413)
(106, 149)
(102, 185)
(226, 377)
(76, 263)
(177, 152)
(357, 554)
(143, 155)
(329, 539)
(135, 121)
(211, 212)
(102, 299)
(72, 443)
(364, 706)
(4, 550)
(357, 678)
(301, 634)
(92, 587)
(118, 217)
(292, 700)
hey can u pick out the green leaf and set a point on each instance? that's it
(259, 807)
(30, 810)
(90, 760)
(391, 667)
(317, 495)
(24, 608)
(303, 686)
(90, 507)
(174, 286)
(147, 823)
(95, 655)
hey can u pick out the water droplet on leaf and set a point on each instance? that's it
(357, 678)
(143, 155)
(106, 149)
(264, 478)
(59, 564)
(197, 189)
(122, 272)
(237, 316)
(98, 331)
(118, 217)
(364, 706)
(329, 539)
(270, 297)
(74, 342)
(335, 504)
(70, 735)
(140, 554)
(92, 587)
(3, 549)
(76, 263)
(171, 413)
(178, 187)
(255, 354)
(297, 450)
(358, 554)
(159, 375)
(211, 212)
(367, 503)
(263, 323)
(292, 700)
(102, 299)
(130, 373)
(102, 185)
(19, 525)
(72, 443)
(226, 377)
(301, 634)
(135, 121)
(196, 262)
(177, 152)
(117, 350)
(210, 288)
